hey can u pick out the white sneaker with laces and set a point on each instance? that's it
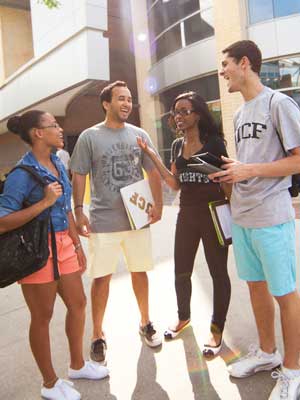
(287, 388)
(62, 390)
(90, 370)
(253, 362)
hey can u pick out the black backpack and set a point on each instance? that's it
(295, 188)
(25, 250)
(2, 182)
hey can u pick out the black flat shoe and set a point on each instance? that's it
(212, 351)
(170, 334)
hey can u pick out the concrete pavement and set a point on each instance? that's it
(175, 371)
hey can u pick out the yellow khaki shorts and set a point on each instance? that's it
(105, 250)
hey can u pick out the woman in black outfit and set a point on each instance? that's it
(191, 116)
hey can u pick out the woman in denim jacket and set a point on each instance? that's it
(41, 131)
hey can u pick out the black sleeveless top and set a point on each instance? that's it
(196, 188)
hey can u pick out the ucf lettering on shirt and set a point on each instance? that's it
(260, 202)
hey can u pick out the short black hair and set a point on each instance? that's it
(245, 48)
(22, 124)
(106, 92)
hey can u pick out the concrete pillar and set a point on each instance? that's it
(16, 40)
(2, 70)
(230, 26)
(143, 64)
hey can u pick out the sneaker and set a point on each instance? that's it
(90, 370)
(62, 390)
(256, 360)
(98, 351)
(150, 335)
(287, 388)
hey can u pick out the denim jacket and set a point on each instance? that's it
(21, 186)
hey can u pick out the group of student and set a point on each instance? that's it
(114, 154)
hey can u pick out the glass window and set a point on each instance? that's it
(282, 73)
(169, 42)
(167, 136)
(270, 74)
(166, 13)
(286, 7)
(207, 87)
(290, 72)
(260, 10)
(206, 4)
(149, 3)
(215, 108)
(294, 94)
(198, 27)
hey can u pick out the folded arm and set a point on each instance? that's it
(18, 218)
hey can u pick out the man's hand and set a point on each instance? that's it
(155, 214)
(82, 224)
(234, 171)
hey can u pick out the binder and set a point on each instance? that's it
(138, 201)
(221, 216)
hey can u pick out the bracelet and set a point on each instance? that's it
(79, 206)
(77, 246)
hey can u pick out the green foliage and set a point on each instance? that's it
(50, 3)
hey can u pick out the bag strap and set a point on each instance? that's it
(175, 148)
(276, 130)
(54, 251)
(32, 172)
(43, 183)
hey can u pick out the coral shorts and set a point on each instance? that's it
(66, 256)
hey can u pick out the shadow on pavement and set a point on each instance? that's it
(146, 385)
(197, 368)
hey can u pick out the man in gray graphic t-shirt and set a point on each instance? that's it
(109, 153)
(263, 228)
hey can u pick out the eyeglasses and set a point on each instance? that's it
(184, 112)
(56, 126)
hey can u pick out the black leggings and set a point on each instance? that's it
(193, 224)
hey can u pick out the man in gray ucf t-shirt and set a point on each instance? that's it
(263, 216)
(109, 153)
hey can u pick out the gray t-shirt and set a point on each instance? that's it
(113, 159)
(262, 202)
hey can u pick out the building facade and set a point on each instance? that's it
(58, 60)
(186, 41)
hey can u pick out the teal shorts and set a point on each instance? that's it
(267, 254)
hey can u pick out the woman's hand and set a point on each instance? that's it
(81, 259)
(52, 192)
(144, 146)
